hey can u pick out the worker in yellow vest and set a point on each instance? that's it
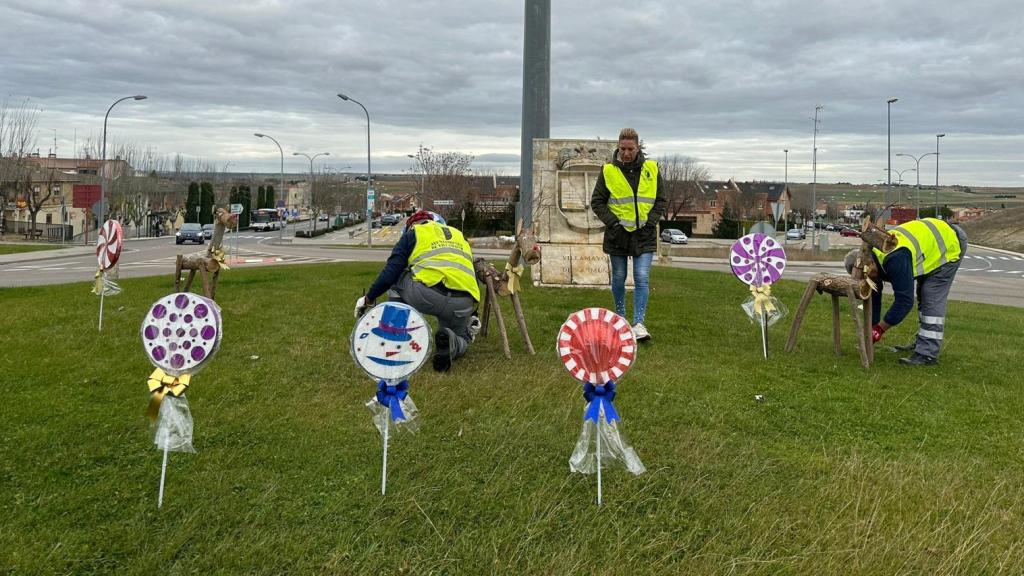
(926, 253)
(629, 198)
(431, 269)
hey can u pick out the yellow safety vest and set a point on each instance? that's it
(931, 242)
(630, 209)
(443, 255)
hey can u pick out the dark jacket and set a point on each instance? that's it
(618, 241)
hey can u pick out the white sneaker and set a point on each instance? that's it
(640, 332)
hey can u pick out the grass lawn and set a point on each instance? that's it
(19, 248)
(838, 471)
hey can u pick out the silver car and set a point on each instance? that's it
(673, 236)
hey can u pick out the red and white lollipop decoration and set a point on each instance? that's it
(598, 347)
(109, 244)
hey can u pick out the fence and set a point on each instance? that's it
(41, 231)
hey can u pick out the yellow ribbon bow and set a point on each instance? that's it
(218, 256)
(762, 298)
(161, 384)
(514, 275)
(97, 286)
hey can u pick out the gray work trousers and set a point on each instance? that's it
(452, 312)
(932, 293)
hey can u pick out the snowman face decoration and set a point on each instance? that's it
(391, 341)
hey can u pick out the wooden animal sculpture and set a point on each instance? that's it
(508, 283)
(207, 265)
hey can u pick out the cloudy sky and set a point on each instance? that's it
(731, 83)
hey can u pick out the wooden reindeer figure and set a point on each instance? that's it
(208, 265)
(508, 283)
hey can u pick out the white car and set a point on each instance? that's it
(673, 236)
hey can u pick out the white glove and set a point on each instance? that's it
(361, 307)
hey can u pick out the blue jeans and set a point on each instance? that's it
(641, 284)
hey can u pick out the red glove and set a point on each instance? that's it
(876, 333)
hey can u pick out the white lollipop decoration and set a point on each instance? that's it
(390, 343)
(758, 261)
(180, 334)
(109, 243)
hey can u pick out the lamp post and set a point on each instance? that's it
(103, 164)
(280, 228)
(311, 158)
(937, 136)
(899, 176)
(814, 181)
(369, 189)
(888, 119)
(785, 186)
(423, 176)
(917, 168)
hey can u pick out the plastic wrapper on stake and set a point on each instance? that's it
(777, 311)
(383, 415)
(173, 430)
(615, 450)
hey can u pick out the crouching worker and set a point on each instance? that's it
(920, 256)
(431, 269)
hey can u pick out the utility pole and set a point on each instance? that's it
(814, 181)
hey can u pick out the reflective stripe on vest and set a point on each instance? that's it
(931, 242)
(443, 255)
(631, 209)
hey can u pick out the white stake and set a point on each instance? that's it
(764, 330)
(599, 415)
(103, 290)
(384, 471)
(163, 473)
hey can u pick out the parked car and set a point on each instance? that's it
(324, 217)
(391, 219)
(831, 227)
(673, 236)
(849, 232)
(190, 232)
(207, 231)
(796, 234)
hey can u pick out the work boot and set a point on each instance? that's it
(640, 332)
(443, 349)
(916, 359)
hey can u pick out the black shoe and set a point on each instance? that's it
(906, 347)
(916, 359)
(442, 350)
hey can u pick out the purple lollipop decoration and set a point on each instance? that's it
(757, 259)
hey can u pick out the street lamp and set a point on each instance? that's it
(888, 117)
(917, 168)
(423, 176)
(280, 228)
(814, 182)
(899, 174)
(311, 158)
(937, 136)
(785, 186)
(369, 189)
(103, 164)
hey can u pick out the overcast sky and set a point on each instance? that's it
(731, 83)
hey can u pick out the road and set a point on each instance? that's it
(986, 276)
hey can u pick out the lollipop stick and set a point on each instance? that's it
(764, 331)
(384, 470)
(102, 291)
(599, 459)
(163, 474)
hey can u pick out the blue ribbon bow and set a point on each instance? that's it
(600, 396)
(391, 396)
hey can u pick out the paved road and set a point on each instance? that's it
(986, 276)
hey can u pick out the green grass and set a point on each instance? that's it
(838, 471)
(19, 248)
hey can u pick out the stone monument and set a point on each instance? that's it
(570, 235)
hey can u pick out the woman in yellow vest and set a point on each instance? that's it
(629, 198)
(431, 269)
(923, 254)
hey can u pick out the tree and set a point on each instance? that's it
(682, 176)
(206, 203)
(929, 212)
(192, 202)
(729, 226)
(17, 138)
(271, 199)
(446, 176)
(241, 195)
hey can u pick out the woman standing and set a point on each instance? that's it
(629, 198)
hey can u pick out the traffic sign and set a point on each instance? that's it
(371, 194)
(777, 210)
(762, 228)
(236, 208)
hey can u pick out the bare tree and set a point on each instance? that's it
(446, 176)
(17, 138)
(682, 176)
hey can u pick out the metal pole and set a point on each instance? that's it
(785, 187)
(937, 136)
(369, 207)
(888, 119)
(103, 159)
(280, 228)
(536, 121)
(814, 182)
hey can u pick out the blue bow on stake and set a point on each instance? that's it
(391, 396)
(600, 396)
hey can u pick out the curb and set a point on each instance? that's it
(997, 250)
